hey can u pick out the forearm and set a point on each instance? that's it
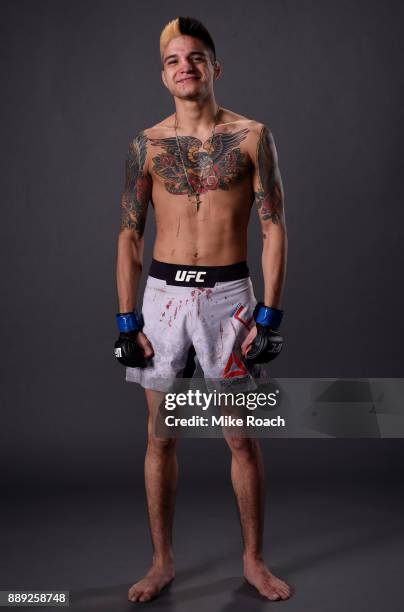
(128, 270)
(274, 255)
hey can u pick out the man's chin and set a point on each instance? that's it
(190, 95)
(192, 91)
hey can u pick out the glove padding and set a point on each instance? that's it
(128, 352)
(266, 345)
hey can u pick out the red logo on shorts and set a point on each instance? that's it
(234, 367)
(237, 315)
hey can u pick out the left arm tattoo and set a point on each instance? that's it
(269, 193)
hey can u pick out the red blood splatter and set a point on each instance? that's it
(221, 340)
(169, 304)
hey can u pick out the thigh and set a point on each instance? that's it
(158, 435)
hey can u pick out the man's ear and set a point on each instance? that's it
(163, 78)
(217, 70)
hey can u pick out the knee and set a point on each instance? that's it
(242, 447)
(161, 446)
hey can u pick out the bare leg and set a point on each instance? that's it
(247, 475)
(161, 472)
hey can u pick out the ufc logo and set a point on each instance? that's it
(187, 275)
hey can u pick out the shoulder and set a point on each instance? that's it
(235, 120)
(138, 149)
(256, 132)
(137, 142)
(162, 129)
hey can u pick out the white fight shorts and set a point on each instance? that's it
(205, 311)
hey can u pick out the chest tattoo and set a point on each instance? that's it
(219, 164)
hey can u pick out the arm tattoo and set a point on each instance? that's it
(137, 190)
(269, 196)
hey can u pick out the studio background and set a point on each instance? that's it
(79, 80)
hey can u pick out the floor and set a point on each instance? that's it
(340, 546)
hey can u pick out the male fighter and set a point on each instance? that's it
(201, 168)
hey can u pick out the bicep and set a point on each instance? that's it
(137, 188)
(267, 182)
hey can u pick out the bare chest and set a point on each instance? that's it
(186, 164)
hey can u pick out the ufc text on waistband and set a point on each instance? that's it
(197, 276)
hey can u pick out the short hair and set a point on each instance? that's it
(186, 26)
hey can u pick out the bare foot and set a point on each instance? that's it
(259, 576)
(152, 584)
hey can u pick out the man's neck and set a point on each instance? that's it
(195, 115)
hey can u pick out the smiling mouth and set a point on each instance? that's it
(188, 79)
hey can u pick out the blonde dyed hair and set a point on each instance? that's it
(170, 31)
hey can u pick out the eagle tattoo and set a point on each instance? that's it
(220, 164)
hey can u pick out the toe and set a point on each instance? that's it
(282, 588)
(146, 596)
(134, 594)
(270, 593)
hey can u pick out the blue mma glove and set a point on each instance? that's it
(126, 350)
(268, 343)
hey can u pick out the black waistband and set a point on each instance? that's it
(197, 276)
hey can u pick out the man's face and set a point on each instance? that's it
(188, 72)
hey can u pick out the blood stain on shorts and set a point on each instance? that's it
(220, 353)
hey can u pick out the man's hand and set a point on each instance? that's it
(264, 341)
(264, 346)
(145, 344)
(245, 347)
(133, 349)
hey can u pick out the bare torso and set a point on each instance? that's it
(216, 233)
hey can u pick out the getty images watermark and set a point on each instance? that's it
(283, 408)
(231, 405)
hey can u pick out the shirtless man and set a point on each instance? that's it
(201, 168)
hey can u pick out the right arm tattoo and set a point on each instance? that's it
(138, 186)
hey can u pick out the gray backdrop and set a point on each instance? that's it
(78, 81)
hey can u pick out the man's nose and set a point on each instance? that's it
(186, 65)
